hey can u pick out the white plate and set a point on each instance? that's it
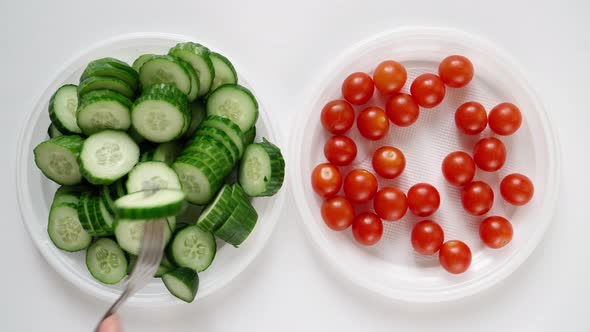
(391, 267)
(35, 192)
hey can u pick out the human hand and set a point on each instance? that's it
(111, 324)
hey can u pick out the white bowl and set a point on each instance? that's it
(35, 192)
(391, 267)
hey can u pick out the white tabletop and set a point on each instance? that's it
(289, 287)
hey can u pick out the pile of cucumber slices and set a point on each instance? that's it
(133, 144)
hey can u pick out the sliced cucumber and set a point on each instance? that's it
(137, 138)
(103, 109)
(62, 109)
(198, 181)
(102, 214)
(94, 83)
(66, 198)
(129, 234)
(234, 102)
(213, 152)
(182, 282)
(241, 221)
(249, 136)
(105, 196)
(165, 266)
(107, 156)
(52, 131)
(84, 215)
(198, 114)
(161, 114)
(94, 217)
(221, 137)
(111, 67)
(152, 175)
(169, 70)
(194, 248)
(262, 169)
(165, 152)
(189, 215)
(198, 57)
(150, 204)
(57, 158)
(217, 212)
(225, 73)
(140, 61)
(231, 129)
(106, 261)
(64, 228)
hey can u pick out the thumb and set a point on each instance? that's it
(111, 324)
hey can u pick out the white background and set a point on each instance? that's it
(285, 45)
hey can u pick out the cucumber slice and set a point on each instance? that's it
(165, 266)
(107, 156)
(152, 175)
(234, 102)
(84, 215)
(105, 196)
(140, 61)
(213, 152)
(169, 70)
(249, 136)
(194, 248)
(165, 152)
(225, 73)
(221, 137)
(227, 126)
(65, 230)
(198, 114)
(52, 131)
(57, 158)
(182, 282)
(66, 198)
(150, 204)
(262, 169)
(106, 261)
(103, 109)
(129, 234)
(62, 109)
(102, 214)
(198, 181)
(161, 114)
(94, 217)
(217, 212)
(111, 67)
(198, 57)
(241, 221)
(94, 83)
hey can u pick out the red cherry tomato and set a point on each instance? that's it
(337, 116)
(427, 237)
(458, 168)
(390, 77)
(423, 199)
(326, 180)
(373, 123)
(517, 189)
(471, 118)
(390, 204)
(456, 71)
(489, 154)
(389, 162)
(495, 232)
(360, 186)
(337, 213)
(428, 90)
(340, 150)
(402, 109)
(477, 198)
(367, 228)
(455, 256)
(505, 119)
(358, 88)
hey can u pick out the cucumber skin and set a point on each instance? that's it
(249, 136)
(221, 137)
(99, 67)
(238, 226)
(237, 87)
(141, 60)
(186, 276)
(187, 68)
(214, 149)
(228, 125)
(73, 143)
(277, 168)
(103, 95)
(219, 212)
(198, 113)
(52, 131)
(228, 63)
(124, 89)
(53, 116)
(203, 52)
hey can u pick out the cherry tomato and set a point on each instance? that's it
(495, 232)
(340, 150)
(456, 71)
(423, 199)
(427, 237)
(360, 186)
(477, 198)
(455, 256)
(390, 77)
(402, 109)
(337, 213)
(358, 88)
(458, 168)
(373, 123)
(367, 228)
(471, 118)
(326, 180)
(428, 90)
(517, 189)
(389, 162)
(390, 204)
(337, 116)
(505, 119)
(489, 154)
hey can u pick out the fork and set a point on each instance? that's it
(147, 263)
